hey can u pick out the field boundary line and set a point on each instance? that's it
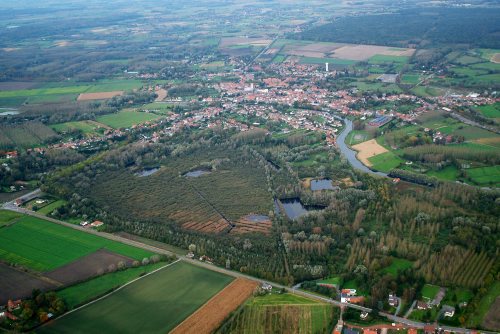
(118, 289)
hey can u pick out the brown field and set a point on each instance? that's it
(493, 141)
(16, 284)
(364, 52)
(162, 94)
(247, 225)
(86, 267)
(492, 320)
(495, 58)
(344, 51)
(209, 317)
(367, 150)
(98, 96)
(14, 85)
(209, 226)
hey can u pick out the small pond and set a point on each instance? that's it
(257, 218)
(197, 173)
(293, 208)
(147, 172)
(323, 184)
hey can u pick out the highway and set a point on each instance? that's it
(12, 207)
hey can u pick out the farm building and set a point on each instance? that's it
(97, 223)
(379, 121)
(388, 78)
(393, 300)
(422, 305)
(449, 311)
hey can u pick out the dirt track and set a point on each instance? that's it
(207, 318)
(367, 150)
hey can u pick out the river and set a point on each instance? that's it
(351, 154)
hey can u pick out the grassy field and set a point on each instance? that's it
(86, 127)
(43, 246)
(485, 175)
(477, 317)
(281, 313)
(381, 59)
(57, 92)
(154, 304)
(397, 265)
(429, 291)
(126, 119)
(449, 173)
(490, 110)
(331, 280)
(7, 217)
(51, 207)
(412, 79)
(385, 162)
(330, 61)
(81, 293)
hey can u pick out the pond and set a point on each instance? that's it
(147, 172)
(196, 173)
(322, 184)
(293, 208)
(8, 111)
(257, 218)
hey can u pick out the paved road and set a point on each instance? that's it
(11, 206)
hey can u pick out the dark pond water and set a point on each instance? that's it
(196, 173)
(293, 208)
(147, 172)
(324, 184)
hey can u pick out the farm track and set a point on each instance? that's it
(408, 323)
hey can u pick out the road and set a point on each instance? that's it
(12, 207)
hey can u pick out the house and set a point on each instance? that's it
(396, 180)
(449, 311)
(84, 223)
(393, 300)
(19, 202)
(363, 315)
(13, 305)
(266, 286)
(429, 329)
(349, 292)
(96, 223)
(190, 255)
(422, 305)
(338, 327)
(370, 331)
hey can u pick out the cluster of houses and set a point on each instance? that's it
(349, 296)
(6, 310)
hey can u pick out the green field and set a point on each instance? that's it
(412, 79)
(57, 92)
(81, 293)
(281, 313)
(51, 207)
(358, 136)
(490, 110)
(126, 119)
(429, 291)
(155, 304)
(484, 305)
(7, 217)
(83, 126)
(397, 265)
(485, 175)
(448, 173)
(381, 59)
(331, 280)
(44, 246)
(330, 61)
(384, 162)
